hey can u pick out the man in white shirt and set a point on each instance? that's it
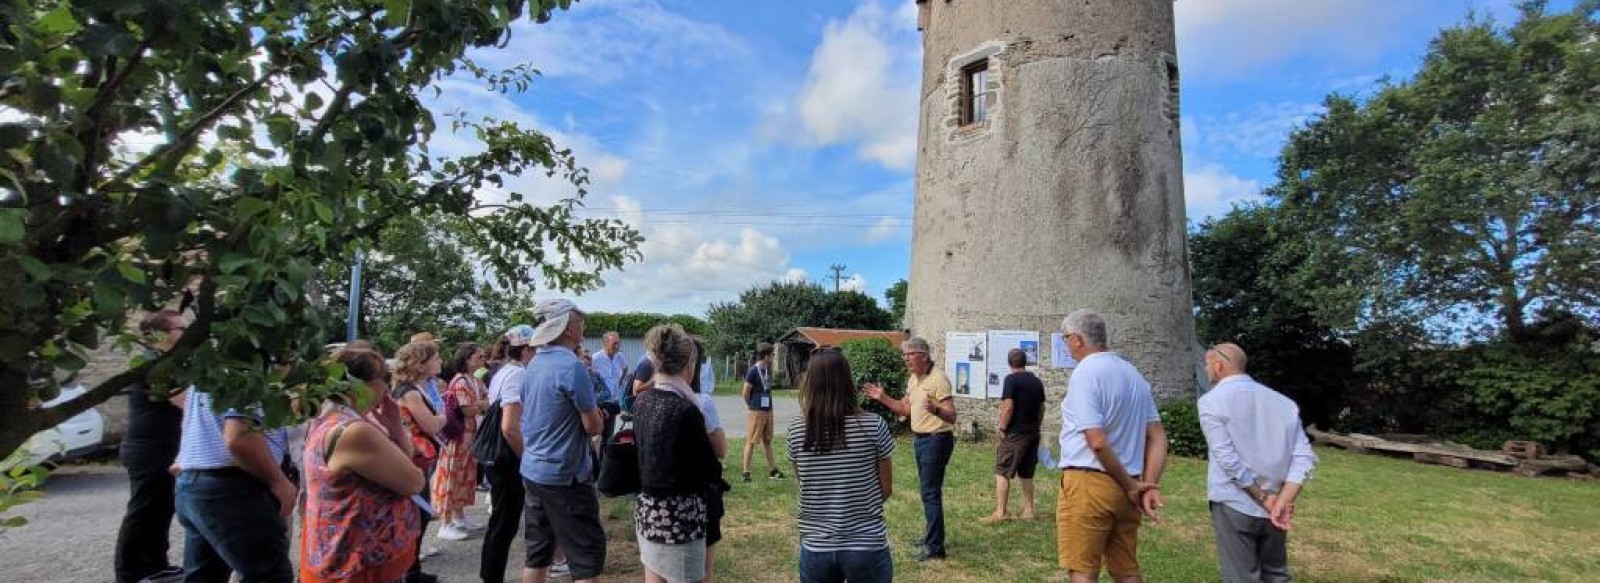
(1259, 457)
(1113, 450)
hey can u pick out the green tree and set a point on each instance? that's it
(896, 294)
(286, 136)
(763, 314)
(635, 324)
(876, 360)
(1249, 288)
(1469, 192)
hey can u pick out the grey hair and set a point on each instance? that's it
(611, 334)
(916, 344)
(1088, 324)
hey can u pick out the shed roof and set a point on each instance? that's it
(835, 337)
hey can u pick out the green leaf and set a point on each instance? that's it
(130, 272)
(324, 212)
(232, 262)
(250, 206)
(35, 269)
(396, 12)
(59, 21)
(12, 228)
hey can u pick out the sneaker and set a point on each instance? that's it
(451, 532)
(469, 525)
(775, 474)
(429, 551)
(560, 568)
(747, 477)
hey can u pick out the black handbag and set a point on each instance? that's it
(489, 445)
(619, 469)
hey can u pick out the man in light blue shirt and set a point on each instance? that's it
(556, 413)
(611, 364)
(1113, 450)
(1259, 457)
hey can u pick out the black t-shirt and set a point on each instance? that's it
(152, 422)
(760, 380)
(644, 373)
(1026, 392)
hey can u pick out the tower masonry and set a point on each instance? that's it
(1050, 178)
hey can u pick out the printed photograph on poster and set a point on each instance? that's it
(964, 363)
(1001, 342)
(964, 379)
(1060, 357)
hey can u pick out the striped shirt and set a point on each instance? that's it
(202, 446)
(841, 508)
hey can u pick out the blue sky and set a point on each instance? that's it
(753, 141)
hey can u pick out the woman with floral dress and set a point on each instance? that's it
(455, 479)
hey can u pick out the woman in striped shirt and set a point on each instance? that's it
(841, 455)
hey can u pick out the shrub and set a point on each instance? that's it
(1181, 419)
(877, 360)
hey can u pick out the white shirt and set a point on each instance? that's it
(508, 377)
(708, 408)
(708, 379)
(1107, 393)
(1255, 437)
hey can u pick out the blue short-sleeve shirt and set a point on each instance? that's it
(556, 390)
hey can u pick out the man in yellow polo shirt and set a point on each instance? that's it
(933, 415)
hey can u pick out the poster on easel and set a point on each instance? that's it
(1000, 344)
(965, 363)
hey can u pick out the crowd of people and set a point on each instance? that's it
(526, 420)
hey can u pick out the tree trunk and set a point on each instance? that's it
(17, 422)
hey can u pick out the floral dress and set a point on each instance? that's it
(353, 530)
(455, 479)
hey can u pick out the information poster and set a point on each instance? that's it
(1060, 357)
(965, 362)
(1000, 344)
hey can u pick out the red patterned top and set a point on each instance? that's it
(354, 530)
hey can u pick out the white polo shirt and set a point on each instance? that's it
(1106, 392)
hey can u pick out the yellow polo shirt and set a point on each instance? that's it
(920, 390)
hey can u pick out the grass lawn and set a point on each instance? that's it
(1362, 519)
(733, 386)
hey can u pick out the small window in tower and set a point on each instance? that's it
(975, 93)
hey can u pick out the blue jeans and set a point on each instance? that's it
(840, 566)
(933, 454)
(231, 523)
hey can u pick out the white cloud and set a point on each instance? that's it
(795, 275)
(1255, 131)
(686, 267)
(862, 86)
(856, 283)
(1211, 190)
(1222, 40)
(606, 41)
(887, 228)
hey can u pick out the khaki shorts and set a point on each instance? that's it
(1096, 524)
(1016, 456)
(761, 426)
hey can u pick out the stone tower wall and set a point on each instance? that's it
(1069, 196)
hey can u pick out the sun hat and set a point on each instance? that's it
(520, 335)
(552, 316)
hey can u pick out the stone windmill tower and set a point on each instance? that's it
(1050, 177)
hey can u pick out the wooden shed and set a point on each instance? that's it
(793, 350)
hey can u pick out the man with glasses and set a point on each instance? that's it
(1113, 449)
(929, 404)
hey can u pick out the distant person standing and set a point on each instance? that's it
(1259, 457)
(757, 393)
(1113, 449)
(611, 365)
(928, 402)
(155, 425)
(1021, 413)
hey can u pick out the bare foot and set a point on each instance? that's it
(992, 518)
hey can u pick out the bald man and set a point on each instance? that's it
(1259, 458)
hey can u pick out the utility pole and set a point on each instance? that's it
(838, 276)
